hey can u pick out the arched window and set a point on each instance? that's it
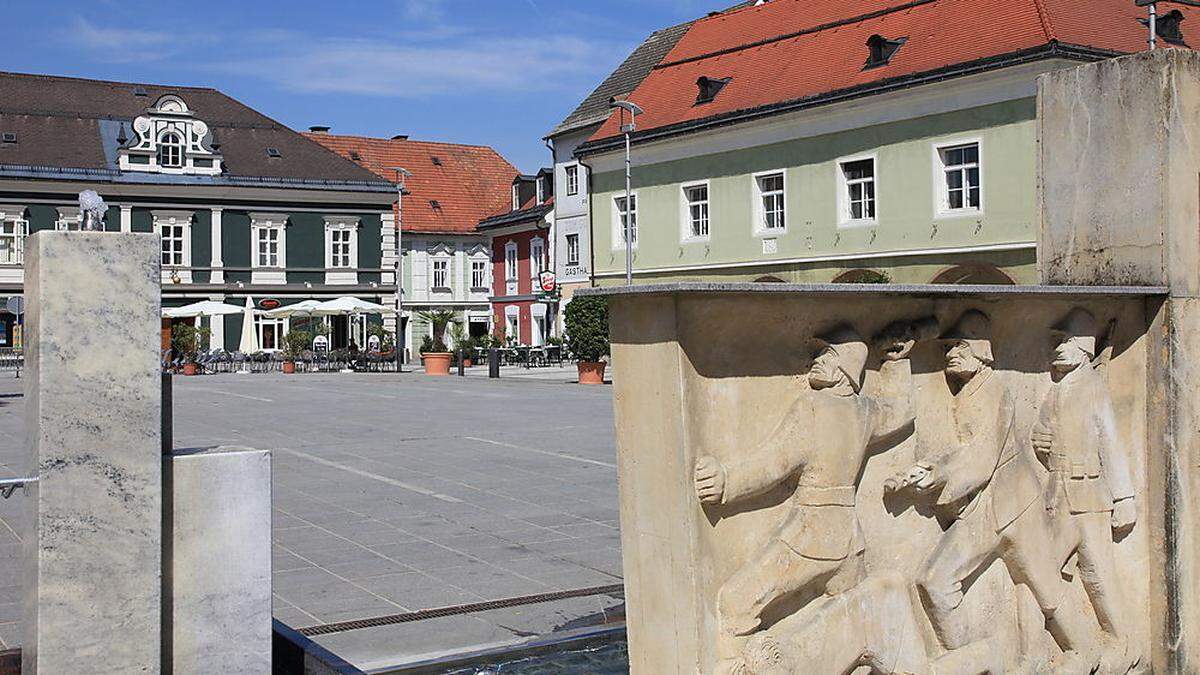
(170, 150)
(863, 276)
(973, 273)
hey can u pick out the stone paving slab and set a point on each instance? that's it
(394, 494)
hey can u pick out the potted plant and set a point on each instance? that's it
(186, 340)
(434, 352)
(294, 344)
(587, 336)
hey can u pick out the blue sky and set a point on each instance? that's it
(494, 72)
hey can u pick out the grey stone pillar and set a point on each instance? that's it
(1120, 192)
(93, 399)
(218, 560)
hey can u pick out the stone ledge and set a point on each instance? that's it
(909, 290)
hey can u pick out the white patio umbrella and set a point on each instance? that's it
(304, 308)
(202, 308)
(349, 305)
(249, 342)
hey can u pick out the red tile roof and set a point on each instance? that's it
(792, 50)
(471, 183)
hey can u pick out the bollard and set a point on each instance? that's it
(493, 363)
(462, 355)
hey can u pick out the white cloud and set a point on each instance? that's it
(418, 70)
(88, 34)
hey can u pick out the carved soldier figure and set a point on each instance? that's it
(825, 438)
(1076, 438)
(990, 491)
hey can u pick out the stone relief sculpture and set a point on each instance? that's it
(989, 490)
(825, 439)
(1089, 483)
(985, 484)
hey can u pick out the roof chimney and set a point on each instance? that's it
(319, 129)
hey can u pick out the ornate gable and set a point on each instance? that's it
(169, 139)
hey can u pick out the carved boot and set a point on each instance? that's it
(978, 658)
(1118, 658)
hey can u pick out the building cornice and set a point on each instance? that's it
(985, 248)
(1051, 50)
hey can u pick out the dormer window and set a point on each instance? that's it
(167, 138)
(1167, 27)
(882, 50)
(516, 196)
(708, 88)
(541, 190)
(170, 151)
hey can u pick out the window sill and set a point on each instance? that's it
(774, 232)
(858, 224)
(695, 240)
(958, 213)
(441, 289)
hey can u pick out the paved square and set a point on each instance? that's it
(396, 494)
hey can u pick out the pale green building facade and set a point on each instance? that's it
(953, 192)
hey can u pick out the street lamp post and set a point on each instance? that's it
(627, 226)
(402, 176)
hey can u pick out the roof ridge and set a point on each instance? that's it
(399, 140)
(910, 4)
(1044, 19)
(45, 76)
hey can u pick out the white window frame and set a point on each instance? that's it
(760, 211)
(686, 233)
(175, 219)
(70, 218)
(14, 217)
(180, 147)
(843, 195)
(335, 271)
(282, 326)
(434, 262)
(267, 273)
(482, 264)
(941, 191)
(516, 196)
(537, 256)
(512, 268)
(572, 251)
(571, 179)
(540, 182)
(618, 232)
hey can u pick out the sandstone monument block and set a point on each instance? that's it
(938, 479)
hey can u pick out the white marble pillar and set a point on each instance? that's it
(93, 592)
(218, 560)
(126, 218)
(218, 263)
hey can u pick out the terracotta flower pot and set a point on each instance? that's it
(437, 363)
(190, 369)
(591, 372)
(467, 363)
(289, 367)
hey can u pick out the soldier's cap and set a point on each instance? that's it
(975, 328)
(851, 350)
(1081, 324)
(1078, 322)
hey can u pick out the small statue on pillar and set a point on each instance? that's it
(92, 210)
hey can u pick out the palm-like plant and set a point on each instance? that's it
(439, 319)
